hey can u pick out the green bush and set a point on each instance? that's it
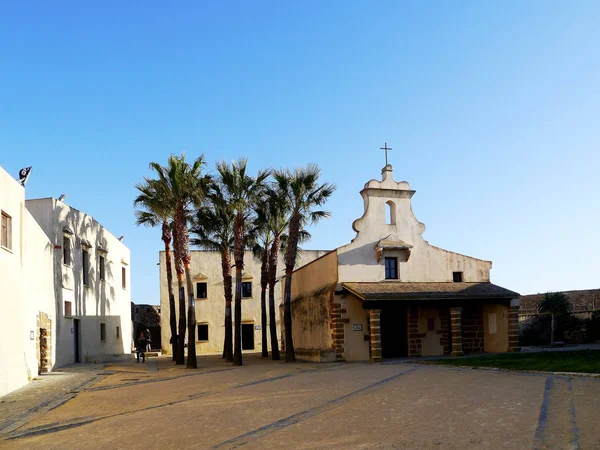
(569, 329)
(535, 331)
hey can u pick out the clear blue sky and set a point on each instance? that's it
(492, 108)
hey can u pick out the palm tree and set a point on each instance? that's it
(213, 228)
(186, 187)
(260, 250)
(276, 216)
(555, 304)
(304, 194)
(242, 190)
(179, 270)
(157, 211)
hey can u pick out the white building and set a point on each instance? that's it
(65, 290)
(210, 300)
(27, 307)
(389, 293)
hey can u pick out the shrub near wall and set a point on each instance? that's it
(569, 329)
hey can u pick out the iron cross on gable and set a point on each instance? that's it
(386, 148)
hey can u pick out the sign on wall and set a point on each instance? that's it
(357, 327)
(258, 327)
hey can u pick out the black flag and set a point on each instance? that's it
(24, 174)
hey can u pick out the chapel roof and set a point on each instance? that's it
(398, 290)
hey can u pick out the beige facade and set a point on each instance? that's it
(49, 316)
(210, 308)
(397, 295)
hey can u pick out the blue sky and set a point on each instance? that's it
(492, 109)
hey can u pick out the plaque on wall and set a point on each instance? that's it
(357, 327)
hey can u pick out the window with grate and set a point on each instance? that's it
(391, 268)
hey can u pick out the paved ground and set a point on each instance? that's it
(270, 405)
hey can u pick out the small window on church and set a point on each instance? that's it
(391, 268)
(457, 277)
(431, 324)
(390, 213)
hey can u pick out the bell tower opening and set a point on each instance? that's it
(390, 213)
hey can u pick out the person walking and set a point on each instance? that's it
(141, 347)
(148, 340)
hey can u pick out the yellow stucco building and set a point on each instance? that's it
(210, 303)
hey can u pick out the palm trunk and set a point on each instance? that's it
(273, 254)
(183, 248)
(226, 269)
(180, 357)
(238, 254)
(192, 362)
(166, 237)
(290, 262)
(264, 274)
(552, 329)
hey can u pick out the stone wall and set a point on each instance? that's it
(415, 339)
(445, 323)
(317, 325)
(472, 329)
(43, 343)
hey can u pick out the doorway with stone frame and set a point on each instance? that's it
(44, 343)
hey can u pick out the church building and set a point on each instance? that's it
(389, 293)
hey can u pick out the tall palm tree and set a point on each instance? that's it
(179, 270)
(555, 304)
(242, 190)
(261, 252)
(276, 217)
(213, 228)
(186, 186)
(156, 210)
(304, 194)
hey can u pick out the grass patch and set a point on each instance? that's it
(587, 361)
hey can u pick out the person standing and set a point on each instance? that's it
(141, 347)
(148, 340)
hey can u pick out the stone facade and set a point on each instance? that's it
(43, 342)
(472, 329)
(337, 328)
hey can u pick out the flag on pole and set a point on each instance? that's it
(24, 175)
